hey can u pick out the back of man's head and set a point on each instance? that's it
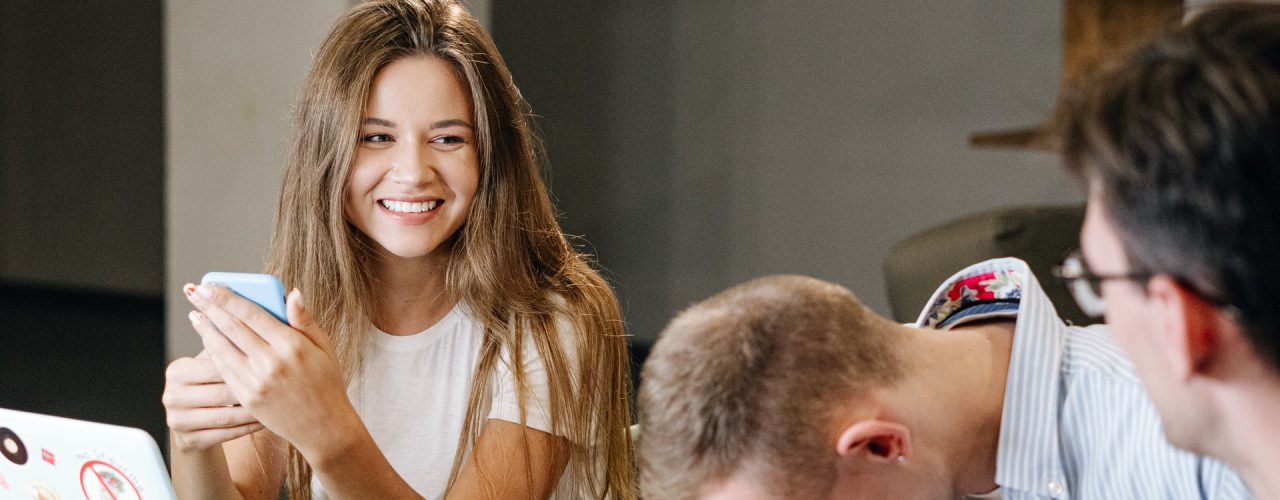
(753, 378)
(1181, 143)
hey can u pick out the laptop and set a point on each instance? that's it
(53, 458)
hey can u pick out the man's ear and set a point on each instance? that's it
(876, 441)
(1189, 326)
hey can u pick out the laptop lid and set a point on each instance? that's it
(46, 457)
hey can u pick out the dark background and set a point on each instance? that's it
(81, 211)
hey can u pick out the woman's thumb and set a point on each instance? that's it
(300, 318)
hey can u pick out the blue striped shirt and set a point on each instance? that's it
(1076, 421)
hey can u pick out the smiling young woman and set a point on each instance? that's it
(452, 343)
(415, 170)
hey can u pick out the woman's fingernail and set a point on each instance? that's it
(196, 317)
(205, 290)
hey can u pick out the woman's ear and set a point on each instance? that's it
(1188, 329)
(875, 441)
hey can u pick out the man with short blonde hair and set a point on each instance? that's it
(787, 334)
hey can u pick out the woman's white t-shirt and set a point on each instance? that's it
(411, 393)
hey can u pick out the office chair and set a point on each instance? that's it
(1040, 235)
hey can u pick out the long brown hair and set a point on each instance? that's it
(510, 264)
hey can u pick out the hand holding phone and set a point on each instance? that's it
(263, 289)
(287, 376)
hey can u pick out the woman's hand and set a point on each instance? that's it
(286, 376)
(200, 408)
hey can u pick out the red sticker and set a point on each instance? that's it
(47, 455)
(102, 481)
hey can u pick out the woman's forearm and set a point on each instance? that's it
(201, 474)
(351, 466)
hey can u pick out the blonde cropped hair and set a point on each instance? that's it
(752, 378)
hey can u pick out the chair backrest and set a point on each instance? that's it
(1040, 235)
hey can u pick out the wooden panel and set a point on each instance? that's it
(1094, 30)
(1023, 138)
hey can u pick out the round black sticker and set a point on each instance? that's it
(11, 446)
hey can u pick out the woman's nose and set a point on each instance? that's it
(413, 166)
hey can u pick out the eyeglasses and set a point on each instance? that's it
(1086, 286)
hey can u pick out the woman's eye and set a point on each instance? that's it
(449, 139)
(376, 138)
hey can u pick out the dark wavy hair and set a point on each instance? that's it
(1181, 138)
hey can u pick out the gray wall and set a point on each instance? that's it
(232, 70)
(81, 146)
(699, 144)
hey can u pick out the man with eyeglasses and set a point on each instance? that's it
(1179, 145)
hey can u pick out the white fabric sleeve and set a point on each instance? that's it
(505, 406)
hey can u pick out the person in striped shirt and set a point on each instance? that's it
(788, 387)
(1179, 145)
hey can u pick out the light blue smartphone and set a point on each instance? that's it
(263, 289)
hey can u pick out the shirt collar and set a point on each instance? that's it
(978, 290)
(1028, 457)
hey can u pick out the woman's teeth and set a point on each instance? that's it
(409, 207)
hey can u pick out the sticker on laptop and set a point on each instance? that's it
(102, 481)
